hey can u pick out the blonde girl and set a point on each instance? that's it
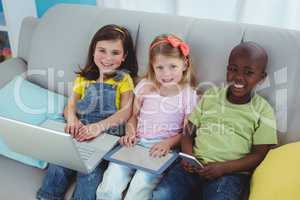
(162, 101)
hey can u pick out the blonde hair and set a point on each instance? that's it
(161, 46)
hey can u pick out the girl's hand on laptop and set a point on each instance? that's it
(89, 132)
(72, 127)
(128, 140)
(160, 149)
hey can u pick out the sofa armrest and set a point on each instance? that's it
(27, 30)
(11, 68)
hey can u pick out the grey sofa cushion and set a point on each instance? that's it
(29, 25)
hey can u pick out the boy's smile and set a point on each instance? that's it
(237, 88)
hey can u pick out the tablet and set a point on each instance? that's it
(191, 160)
(138, 157)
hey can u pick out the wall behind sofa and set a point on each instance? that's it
(43, 5)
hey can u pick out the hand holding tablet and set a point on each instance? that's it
(191, 160)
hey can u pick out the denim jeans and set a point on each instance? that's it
(117, 177)
(97, 104)
(58, 179)
(179, 184)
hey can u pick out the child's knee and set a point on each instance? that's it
(161, 193)
(115, 180)
(116, 172)
(145, 178)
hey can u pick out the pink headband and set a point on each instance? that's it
(176, 43)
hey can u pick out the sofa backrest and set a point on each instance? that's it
(58, 42)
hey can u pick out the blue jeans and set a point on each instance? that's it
(179, 184)
(117, 177)
(58, 180)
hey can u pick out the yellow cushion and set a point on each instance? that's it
(278, 176)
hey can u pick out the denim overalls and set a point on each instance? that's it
(97, 104)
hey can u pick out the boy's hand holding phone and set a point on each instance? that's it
(190, 163)
(187, 166)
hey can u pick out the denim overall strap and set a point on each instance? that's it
(97, 104)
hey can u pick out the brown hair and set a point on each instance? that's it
(159, 47)
(111, 32)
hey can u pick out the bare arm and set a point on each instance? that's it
(70, 109)
(188, 138)
(130, 137)
(187, 145)
(249, 162)
(73, 123)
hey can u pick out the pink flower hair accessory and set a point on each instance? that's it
(176, 43)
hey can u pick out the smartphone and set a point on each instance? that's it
(191, 160)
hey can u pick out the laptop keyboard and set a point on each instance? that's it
(85, 151)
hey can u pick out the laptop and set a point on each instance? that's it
(50, 143)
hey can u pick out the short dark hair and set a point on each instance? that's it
(252, 49)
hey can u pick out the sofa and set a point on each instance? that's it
(56, 44)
